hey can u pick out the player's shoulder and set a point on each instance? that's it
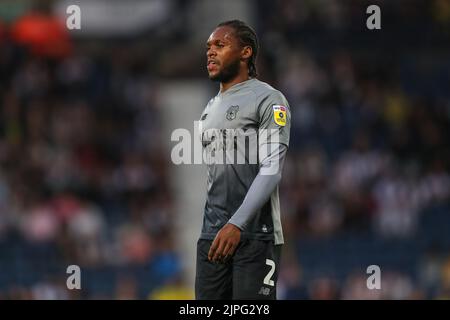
(267, 94)
(211, 101)
(263, 90)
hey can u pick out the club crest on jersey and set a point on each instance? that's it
(279, 115)
(232, 112)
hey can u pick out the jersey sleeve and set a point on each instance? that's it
(261, 188)
(274, 119)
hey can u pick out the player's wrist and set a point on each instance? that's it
(235, 225)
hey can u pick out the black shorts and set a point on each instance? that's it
(251, 273)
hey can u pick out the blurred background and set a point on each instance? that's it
(86, 118)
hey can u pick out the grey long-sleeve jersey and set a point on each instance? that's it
(245, 136)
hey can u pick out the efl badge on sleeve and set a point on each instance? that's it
(279, 115)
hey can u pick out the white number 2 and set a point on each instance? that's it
(269, 275)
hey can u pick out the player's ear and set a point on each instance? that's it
(246, 52)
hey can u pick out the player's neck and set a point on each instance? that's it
(241, 77)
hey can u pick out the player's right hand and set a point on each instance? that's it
(225, 243)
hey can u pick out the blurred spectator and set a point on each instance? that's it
(323, 288)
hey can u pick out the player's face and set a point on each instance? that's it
(223, 54)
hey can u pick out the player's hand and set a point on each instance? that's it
(225, 243)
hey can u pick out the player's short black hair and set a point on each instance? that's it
(247, 37)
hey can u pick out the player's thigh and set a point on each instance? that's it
(255, 270)
(213, 281)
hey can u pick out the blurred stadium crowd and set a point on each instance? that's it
(84, 167)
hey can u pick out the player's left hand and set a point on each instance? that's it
(225, 243)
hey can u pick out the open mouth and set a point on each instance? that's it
(211, 64)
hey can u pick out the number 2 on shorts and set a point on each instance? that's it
(269, 275)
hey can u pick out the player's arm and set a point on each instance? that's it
(262, 187)
(258, 194)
